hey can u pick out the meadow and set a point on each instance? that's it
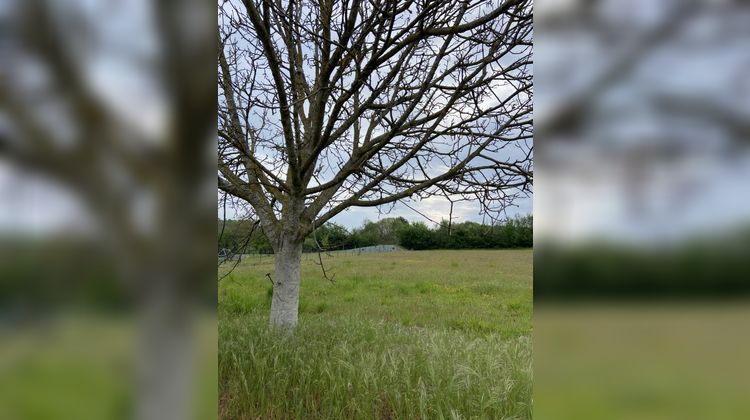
(79, 365)
(401, 335)
(642, 360)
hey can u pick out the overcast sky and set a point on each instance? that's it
(435, 208)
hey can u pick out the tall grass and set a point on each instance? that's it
(415, 335)
(357, 369)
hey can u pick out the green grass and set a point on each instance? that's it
(79, 366)
(648, 360)
(428, 334)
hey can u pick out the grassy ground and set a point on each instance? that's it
(654, 360)
(429, 334)
(79, 366)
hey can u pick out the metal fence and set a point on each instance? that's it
(259, 258)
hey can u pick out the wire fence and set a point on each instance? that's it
(268, 257)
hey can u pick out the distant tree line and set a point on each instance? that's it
(514, 233)
(700, 268)
(240, 236)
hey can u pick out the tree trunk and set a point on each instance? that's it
(285, 302)
(165, 357)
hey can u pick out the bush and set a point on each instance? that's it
(418, 236)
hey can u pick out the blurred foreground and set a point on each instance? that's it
(78, 366)
(641, 361)
(107, 209)
(642, 209)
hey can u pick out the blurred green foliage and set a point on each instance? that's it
(700, 268)
(46, 275)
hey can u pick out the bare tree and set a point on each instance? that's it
(335, 104)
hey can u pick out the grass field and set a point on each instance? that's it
(653, 360)
(404, 335)
(79, 366)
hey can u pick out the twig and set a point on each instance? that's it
(320, 257)
(420, 213)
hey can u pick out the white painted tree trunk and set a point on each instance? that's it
(285, 302)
